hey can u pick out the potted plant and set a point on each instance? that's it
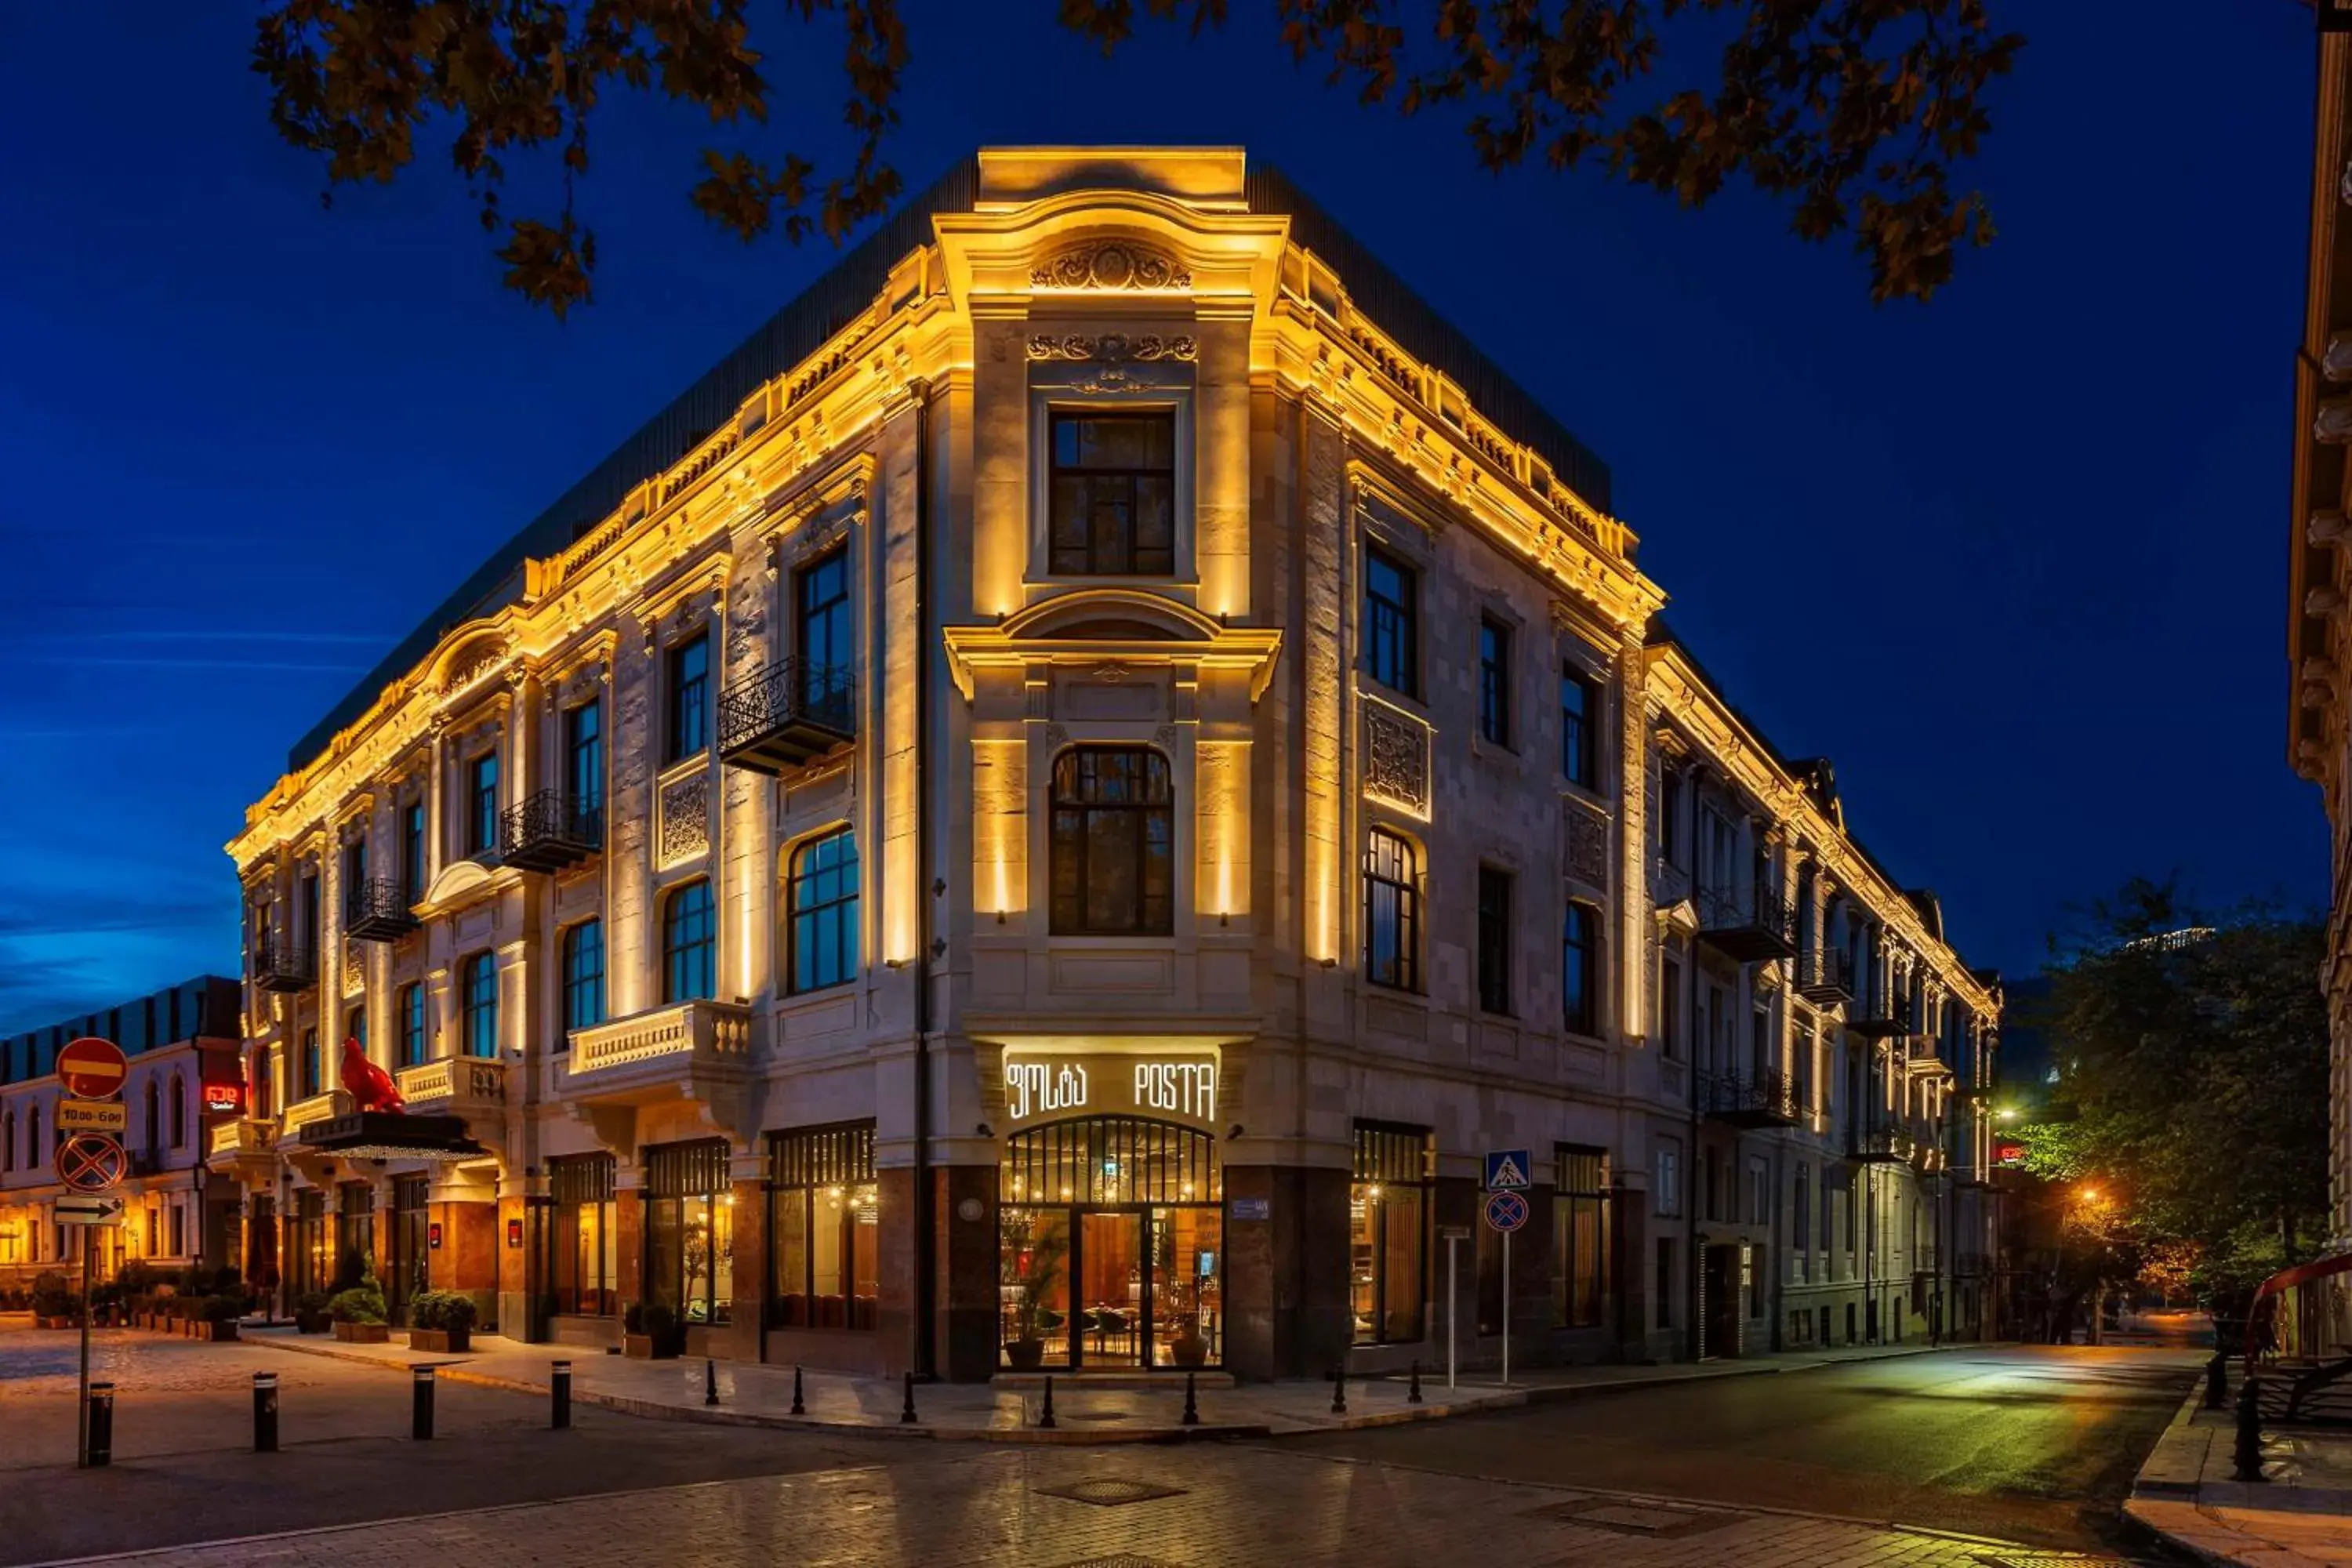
(650, 1331)
(55, 1305)
(216, 1317)
(1025, 1350)
(441, 1322)
(359, 1313)
(311, 1313)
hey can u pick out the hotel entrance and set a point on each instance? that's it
(1111, 1250)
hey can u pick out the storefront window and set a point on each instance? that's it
(1580, 1239)
(309, 1260)
(690, 1231)
(1389, 1214)
(823, 1229)
(355, 1232)
(406, 1274)
(587, 1247)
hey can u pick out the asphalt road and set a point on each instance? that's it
(2035, 1444)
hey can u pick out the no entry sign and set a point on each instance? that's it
(92, 1068)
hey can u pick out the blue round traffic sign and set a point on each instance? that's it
(1506, 1211)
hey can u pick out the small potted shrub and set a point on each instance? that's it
(55, 1305)
(311, 1313)
(359, 1313)
(649, 1332)
(441, 1322)
(218, 1316)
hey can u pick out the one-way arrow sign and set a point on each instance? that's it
(86, 1210)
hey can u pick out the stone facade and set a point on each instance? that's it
(1278, 1147)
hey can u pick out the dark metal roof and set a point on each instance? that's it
(802, 327)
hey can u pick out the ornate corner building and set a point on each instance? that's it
(1046, 812)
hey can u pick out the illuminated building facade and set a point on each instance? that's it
(185, 1080)
(1041, 816)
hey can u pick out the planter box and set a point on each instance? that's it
(54, 1323)
(441, 1341)
(644, 1347)
(311, 1322)
(363, 1333)
(211, 1333)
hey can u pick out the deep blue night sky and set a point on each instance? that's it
(2014, 560)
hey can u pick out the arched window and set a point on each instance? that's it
(154, 1099)
(1580, 960)
(689, 945)
(583, 974)
(1392, 911)
(1114, 849)
(179, 1111)
(481, 1006)
(822, 898)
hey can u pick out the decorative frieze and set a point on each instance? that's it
(1396, 757)
(685, 812)
(1114, 348)
(1587, 846)
(1110, 264)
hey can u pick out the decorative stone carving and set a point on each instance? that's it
(1587, 847)
(476, 663)
(1110, 264)
(684, 808)
(1164, 737)
(1114, 348)
(1396, 757)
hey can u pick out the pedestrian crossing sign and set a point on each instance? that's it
(1507, 1171)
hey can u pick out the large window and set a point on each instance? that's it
(1392, 911)
(1494, 940)
(313, 1069)
(823, 899)
(1580, 966)
(1670, 1008)
(1388, 1211)
(1580, 1249)
(355, 1232)
(480, 991)
(482, 805)
(408, 1008)
(584, 755)
(1114, 849)
(587, 1244)
(1113, 488)
(309, 1246)
(1493, 681)
(1579, 705)
(411, 852)
(823, 1229)
(689, 694)
(583, 974)
(1390, 652)
(823, 638)
(354, 878)
(690, 1231)
(689, 945)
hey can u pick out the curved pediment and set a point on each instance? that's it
(472, 653)
(459, 880)
(1109, 615)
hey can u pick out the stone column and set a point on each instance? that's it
(964, 1321)
(1287, 1311)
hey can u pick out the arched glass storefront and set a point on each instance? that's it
(1111, 1245)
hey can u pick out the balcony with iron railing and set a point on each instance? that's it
(280, 963)
(378, 910)
(548, 831)
(1880, 1018)
(682, 1049)
(785, 715)
(1765, 1099)
(1752, 926)
(1825, 975)
(1925, 1053)
(1878, 1143)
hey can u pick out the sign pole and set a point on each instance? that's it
(1453, 1300)
(1506, 1308)
(82, 1402)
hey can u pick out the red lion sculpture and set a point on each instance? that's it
(369, 1086)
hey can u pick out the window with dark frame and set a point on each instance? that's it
(1579, 956)
(1579, 703)
(1114, 842)
(411, 852)
(821, 637)
(409, 1005)
(689, 1231)
(822, 898)
(1391, 653)
(587, 1239)
(1111, 510)
(313, 1069)
(823, 1229)
(1493, 681)
(1389, 1223)
(689, 695)
(1392, 911)
(690, 945)
(1670, 1008)
(482, 816)
(1495, 941)
(355, 868)
(480, 993)
(583, 974)
(1579, 1284)
(583, 753)
(355, 1026)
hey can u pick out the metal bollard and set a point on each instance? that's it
(1192, 1405)
(420, 1426)
(559, 1392)
(1339, 1392)
(265, 1413)
(1413, 1388)
(1046, 1417)
(907, 1416)
(101, 1424)
(709, 1380)
(800, 1407)
(2217, 1380)
(2250, 1432)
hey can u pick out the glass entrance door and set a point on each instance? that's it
(1114, 1281)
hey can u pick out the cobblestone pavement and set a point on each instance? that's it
(1212, 1507)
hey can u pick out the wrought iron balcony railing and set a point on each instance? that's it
(548, 831)
(1753, 927)
(1877, 1143)
(1825, 975)
(1881, 1019)
(280, 964)
(377, 911)
(785, 715)
(1757, 1100)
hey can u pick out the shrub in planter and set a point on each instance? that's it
(311, 1313)
(216, 1317)
(359, 1313)
(651, 1332)
(442, 1322)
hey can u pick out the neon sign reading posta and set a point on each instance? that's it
(1178, 1088)
(1187, 1088)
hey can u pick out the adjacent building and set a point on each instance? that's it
(186, 1074)
(1047, 812)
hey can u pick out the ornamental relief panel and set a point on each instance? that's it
(684, 809)
(1114, 348)
(1396, 757)
(1587, 846)
(1110, 264)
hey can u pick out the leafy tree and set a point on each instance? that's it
(2193, 1054)
(1852, 110)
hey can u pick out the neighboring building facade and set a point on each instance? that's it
(1048, 811)
(185, 1076)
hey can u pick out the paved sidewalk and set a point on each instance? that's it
(1084, 1414)
(2300, 1516)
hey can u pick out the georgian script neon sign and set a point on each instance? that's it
(1031, 1088)
(1178, 1088)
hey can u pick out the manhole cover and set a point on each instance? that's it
(1122, 1560)
(1637, 1519)
(1111, 1492)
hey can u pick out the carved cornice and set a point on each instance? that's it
(1116, 264)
